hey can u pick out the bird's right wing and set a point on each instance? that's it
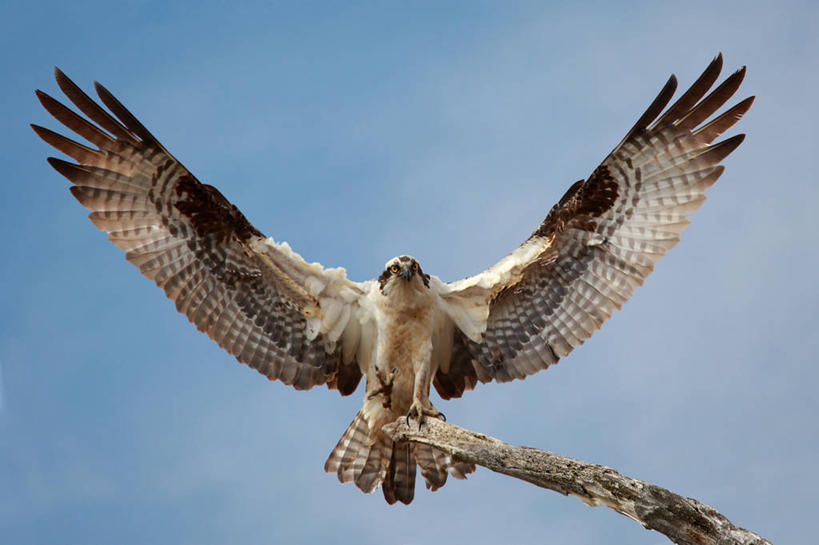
(596, 246)
(291, 320)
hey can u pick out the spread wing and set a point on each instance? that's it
(596, 245)
(290, 320)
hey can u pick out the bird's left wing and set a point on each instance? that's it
(291, 320)
(595, 246)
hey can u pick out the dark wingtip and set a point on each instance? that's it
(100, 89)
(654, 109)
(40, 130)
(58, 164)
(745, 104)
(741, 70)
(49, 103)
(716, 63)
(735, 80)
(62, 79)
(63, 167)
(106, 96)
(720, 151)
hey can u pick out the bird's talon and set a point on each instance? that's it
(417, 410)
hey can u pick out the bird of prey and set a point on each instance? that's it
(407, 330)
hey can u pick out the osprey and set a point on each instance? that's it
(305, 325)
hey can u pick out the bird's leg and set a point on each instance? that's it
(421, 405)
(385, 386)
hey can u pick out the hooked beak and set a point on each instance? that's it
(406, 273)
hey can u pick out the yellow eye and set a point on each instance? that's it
(415, 266)
(394, 268)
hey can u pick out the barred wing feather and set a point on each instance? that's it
(291, 320)
(596, 245)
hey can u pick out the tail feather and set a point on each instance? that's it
(460, 470)
(372, 461)
(399, 484)
(433, 463)
(375, 467)
(349, 448)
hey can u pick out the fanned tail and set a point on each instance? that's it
(369, 462)
(359, 459)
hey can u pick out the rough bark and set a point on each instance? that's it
(684, 521)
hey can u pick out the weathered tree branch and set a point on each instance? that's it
(684, 521)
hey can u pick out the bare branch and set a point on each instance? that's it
(684, 521)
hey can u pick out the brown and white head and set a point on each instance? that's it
(402, 272)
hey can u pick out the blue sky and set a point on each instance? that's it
(335, 128)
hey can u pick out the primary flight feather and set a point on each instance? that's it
(305, 325)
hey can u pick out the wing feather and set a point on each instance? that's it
(257, 299)
(597, 245)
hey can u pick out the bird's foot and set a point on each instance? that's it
(420, 411)
(385, 387)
